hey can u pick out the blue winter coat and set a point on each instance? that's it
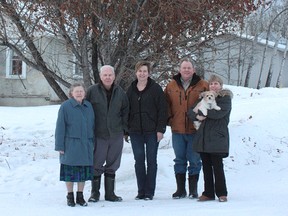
(74, 133)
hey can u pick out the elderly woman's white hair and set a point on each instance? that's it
(74, 85)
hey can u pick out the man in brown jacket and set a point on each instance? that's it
(182, 93)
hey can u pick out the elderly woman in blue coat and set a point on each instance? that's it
(74, 137)
(212, 141)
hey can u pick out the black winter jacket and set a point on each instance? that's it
(148, 108)
(111, 117)
(213, 134)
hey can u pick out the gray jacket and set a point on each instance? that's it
(112, 116)
(213, 134)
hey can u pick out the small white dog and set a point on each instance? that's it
(208, 102)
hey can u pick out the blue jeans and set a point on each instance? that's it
(182, 145)
(145, 146)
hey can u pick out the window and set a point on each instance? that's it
(77, 69)
(15, 67)
(77, 72)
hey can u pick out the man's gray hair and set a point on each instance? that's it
(107, 66)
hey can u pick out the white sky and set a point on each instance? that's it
(256, 171)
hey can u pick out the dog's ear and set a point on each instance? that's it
(202, 95)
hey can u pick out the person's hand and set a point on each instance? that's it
(126, 138)
(159, 136)
(200, 113)
(200, 117)
(61, 152)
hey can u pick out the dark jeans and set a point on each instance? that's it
(145, 146)
(184, 153)
(213, 168)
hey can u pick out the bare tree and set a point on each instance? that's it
(250, 62)
(121, 32)
(278, 83)
(266, 45)
(24, 33)
(253, 27)
(270, 70)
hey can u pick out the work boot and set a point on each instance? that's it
(109, 188)
(193, 181)
(95, 192)
(181, 191)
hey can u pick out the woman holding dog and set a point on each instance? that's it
(212, 141)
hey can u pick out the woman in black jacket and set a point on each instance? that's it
(212, 141)
(147, 124)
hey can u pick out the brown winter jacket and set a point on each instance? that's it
(179, 102)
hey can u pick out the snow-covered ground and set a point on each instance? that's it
(256, 170)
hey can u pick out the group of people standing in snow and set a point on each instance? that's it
(91, 126)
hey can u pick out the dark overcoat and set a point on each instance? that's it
(112, 115)
(213, 134)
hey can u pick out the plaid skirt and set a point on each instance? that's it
(75, 173)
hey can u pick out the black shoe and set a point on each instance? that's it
(179, 195)
(148, 197)
(140, 197)
(80, 199)
(70, 199)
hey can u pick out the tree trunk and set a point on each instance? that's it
(250, 62)
(278, 84)
(95, 58)
(270, 71)
(35, 53)
(54, 85)
(239, 63)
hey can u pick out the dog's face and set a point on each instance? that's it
(209, 96)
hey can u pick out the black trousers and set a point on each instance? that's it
(214, 176)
